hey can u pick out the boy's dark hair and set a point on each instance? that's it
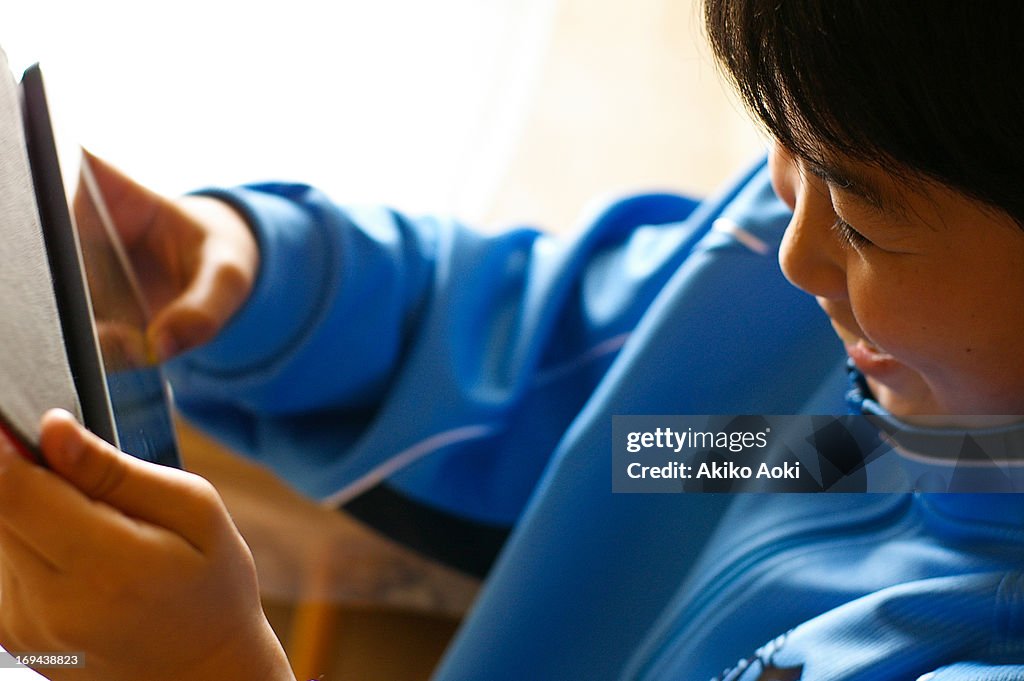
(930, 89)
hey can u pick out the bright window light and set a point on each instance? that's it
(402, 101)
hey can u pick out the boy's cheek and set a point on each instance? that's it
(951, 365)
(905, 331)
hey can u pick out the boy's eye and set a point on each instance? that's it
(849, 234)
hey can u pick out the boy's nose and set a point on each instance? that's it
(812, 255)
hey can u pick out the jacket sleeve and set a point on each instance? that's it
(373, 339)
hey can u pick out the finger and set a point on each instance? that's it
(53, 519)
(122, 345)
(180, 502)
(16, 597)
(132, 207)
(16, 630)
(216, 291)
(21, 561)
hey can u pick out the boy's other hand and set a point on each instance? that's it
(136, 566)
(195, 257)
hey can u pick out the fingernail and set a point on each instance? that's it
(71, 446)
(73, 449)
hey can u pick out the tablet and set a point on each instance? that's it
(121, 390)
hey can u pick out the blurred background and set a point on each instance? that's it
(500, 112)
(505, 110)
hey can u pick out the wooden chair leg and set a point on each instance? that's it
(313, 639)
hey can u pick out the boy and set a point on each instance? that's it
(483, 365)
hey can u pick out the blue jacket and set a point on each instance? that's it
(476, 376)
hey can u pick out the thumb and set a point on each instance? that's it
(162, 496)
(217, 289)
(184, 324)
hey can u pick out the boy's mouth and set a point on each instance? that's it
(869, 359)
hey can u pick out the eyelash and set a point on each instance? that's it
(849, 234)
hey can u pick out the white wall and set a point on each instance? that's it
(378, 100)
(496, 110)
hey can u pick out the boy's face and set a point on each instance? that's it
(924, 286)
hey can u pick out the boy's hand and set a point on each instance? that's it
(195, 257)
(137, 566)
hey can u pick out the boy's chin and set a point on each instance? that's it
(911, 400)
(907, 399)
